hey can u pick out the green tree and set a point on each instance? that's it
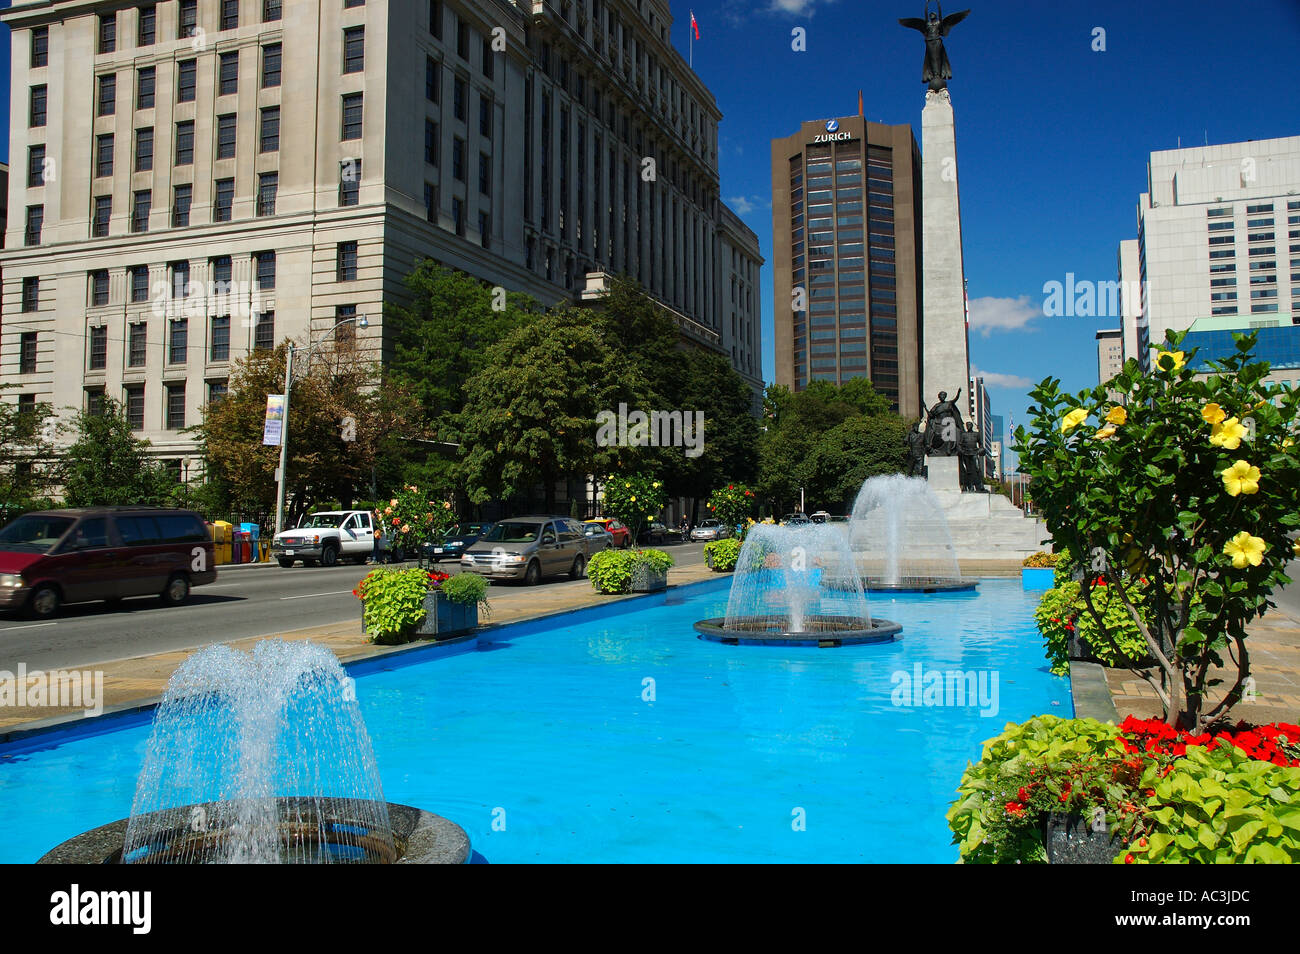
(851, 452)
(1191, 483)
(530, 413)
(26, 451)
(106, 464)
(730, 446)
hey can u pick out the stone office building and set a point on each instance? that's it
(846, 199)
(198, 178)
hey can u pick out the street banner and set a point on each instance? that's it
(273, 429)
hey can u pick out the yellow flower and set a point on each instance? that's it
(1073, 420)
(1176, 358)
(1241, 478)
(1117, 416)
(1105, 432)
(1287, 442)
(1212, 413)
(634, 499)
(1245, 549)
(1295, 548)
(1228, 434)
(656, 485)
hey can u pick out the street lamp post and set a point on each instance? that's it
(284, 423)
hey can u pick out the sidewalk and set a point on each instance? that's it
(142, 679)
(1273, 644)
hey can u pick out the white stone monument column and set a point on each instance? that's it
(945, 357)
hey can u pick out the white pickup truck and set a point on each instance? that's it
(326, 538)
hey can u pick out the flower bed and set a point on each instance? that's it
(400, 604)
(623, 571)
(1153, 792)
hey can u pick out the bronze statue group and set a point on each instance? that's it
(944, 436)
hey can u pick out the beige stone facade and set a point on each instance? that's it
(184, 149)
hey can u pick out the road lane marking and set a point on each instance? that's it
(9, 629)
(309, 596)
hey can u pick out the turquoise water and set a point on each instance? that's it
(544, 744)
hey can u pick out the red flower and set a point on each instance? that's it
(1128, 859)
(1022, 795)
(1015, 809)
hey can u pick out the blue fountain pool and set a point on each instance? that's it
(616, 735)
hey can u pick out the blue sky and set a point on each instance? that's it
(1052, 137)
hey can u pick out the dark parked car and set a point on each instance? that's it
(455, 542)
(529, 548)
(656, 532)
(102, 553)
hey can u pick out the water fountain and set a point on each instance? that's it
(797, 586)
(900, 540)
(263, 757)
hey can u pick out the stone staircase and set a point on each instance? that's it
(991, 527)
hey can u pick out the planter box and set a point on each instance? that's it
(645, 580)
(1037, 577)
(1070, 840)
(444, 618)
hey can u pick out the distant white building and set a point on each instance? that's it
(1110, 354)
(981, 415)
(1218, 247)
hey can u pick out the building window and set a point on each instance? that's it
(141, 203)
(189, 18)
(271, 11)
(185, 143)
(36, 111)
(108, 32)
(229, 14)
(135, 407)
(35, 166)
(462, 38)
(264, 268)
(489, 58)
(484, 229)
(222, 271)
(349, 182)
(146, 26)
(264, 332)
(459, 96)
(345, 266)
(145, 81)
(458, 159)
(144, 149)
(430, 80)
(186, 79)
(226, 136)
(485, 117)
(139, 275)
(217, 390)
(352, 106)
(180, 279)
(178, 340)
(107, 95)
(221, 209)
(137, 336)
(270, 65)
(181, 198)
(484, 173)
(103, 212)
(32, 230)
(104, 155)
(95, 402)
(267, 185)
(431, 142)
(40, 46)
(228, 74)
(219, 346)
(175, 407)
(269, 137)
(430, 202)
(435, 19)
(354, 50)
(458, 215)
(98, 347)
(345, 325)
(31, 294)
(27, 352)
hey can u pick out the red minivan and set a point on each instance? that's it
(102, 553)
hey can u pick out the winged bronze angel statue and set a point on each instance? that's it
(935, 26)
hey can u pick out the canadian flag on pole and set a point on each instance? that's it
(694, 25)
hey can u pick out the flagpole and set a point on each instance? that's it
(690, 34)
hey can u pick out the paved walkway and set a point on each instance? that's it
(1274, 647)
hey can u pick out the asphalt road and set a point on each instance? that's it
(243, 602)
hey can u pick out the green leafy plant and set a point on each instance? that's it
(408, 519)
(613, 571)
(990, 822)
(722, 554)
(1220, 806)
(1192, 480)
(392, 602)
(732, 504)
(1041, 559)
(1063, 612)
(633, 499)
(466, 588)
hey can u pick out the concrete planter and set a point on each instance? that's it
(445, 618)
(646, 580)
(1070, 840)
(1037, 577)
